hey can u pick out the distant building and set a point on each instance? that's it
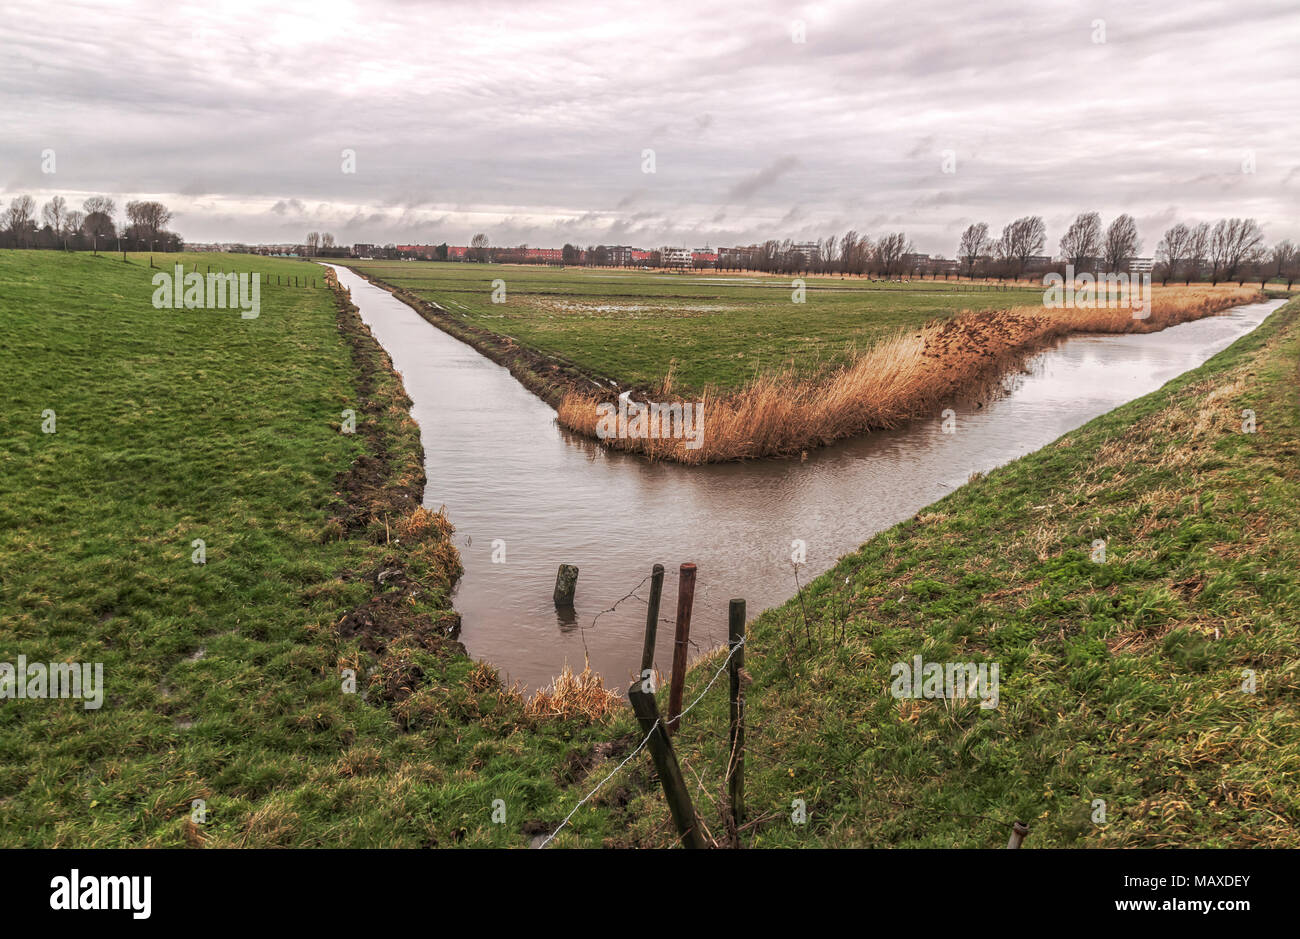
(1141, 265)
(675, 257)
(618, 255)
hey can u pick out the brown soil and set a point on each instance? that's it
(368, 487)
(385, 484)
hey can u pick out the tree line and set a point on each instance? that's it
(95, 225)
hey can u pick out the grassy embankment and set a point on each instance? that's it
(1123, 680)
(775, 377)
(224, 679)
(1119, 680)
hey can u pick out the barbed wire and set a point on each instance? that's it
(645, 740)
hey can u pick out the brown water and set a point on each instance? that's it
(507, 472)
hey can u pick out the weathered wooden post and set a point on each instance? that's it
(736, 739)
(652, 619)
(1019, 832)
(566, 582)
(685, 600)
(670, 774)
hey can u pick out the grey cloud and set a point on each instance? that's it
(762, 179)
(530, 128)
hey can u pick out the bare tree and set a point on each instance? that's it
(1234, 244)
(1020, 241)
(99, 218)
(974, 244)
(889, 253)
(1081, 243)
(1121, 243)
(855, 251)
(313, 242)
(1172, 250)
(148, 219)
(327, 240)
(1290, 269)
(99, 204)
(54, 213)
(18, 219)
(479, 247)
(1282, 261)
(1198, 250)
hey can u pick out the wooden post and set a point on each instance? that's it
(1019, 832)
(652, 619)
(670, 774)
(736, 739)
(685, 600)
(566, 582)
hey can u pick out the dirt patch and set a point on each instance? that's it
(391, 613)
(371, 488)
(578, 763)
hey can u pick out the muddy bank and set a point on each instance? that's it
(409, 606)
(409, 614)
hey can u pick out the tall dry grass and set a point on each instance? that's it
(896, 380)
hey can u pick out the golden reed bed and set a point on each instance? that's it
(896, 380)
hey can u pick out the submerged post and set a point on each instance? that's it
(652, 619)
(670, 774)
(685, 600)
(566, 582)
(736, 738)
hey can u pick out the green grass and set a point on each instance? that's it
(1120, 681)
(223, 679)
(717, 330)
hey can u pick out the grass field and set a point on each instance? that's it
(1121, 680)
(223, 679)
(633, 327)
(774, 377)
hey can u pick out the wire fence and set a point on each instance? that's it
(644, 740)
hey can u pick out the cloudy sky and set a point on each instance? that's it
(531, 121)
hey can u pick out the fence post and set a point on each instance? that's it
(736, 739)
(670, 774)
(1019, 832)
(685, 600)
(652, 619)
(566, 582)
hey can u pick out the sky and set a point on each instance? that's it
(659, 123)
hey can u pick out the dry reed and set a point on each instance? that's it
(573, 696)
(896, 380)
